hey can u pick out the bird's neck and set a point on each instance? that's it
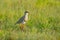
(26, 14)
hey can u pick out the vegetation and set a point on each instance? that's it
(43, 24)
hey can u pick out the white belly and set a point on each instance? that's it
(23, 22)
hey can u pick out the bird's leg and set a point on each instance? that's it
(22, 27)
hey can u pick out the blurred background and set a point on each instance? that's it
(43, 24)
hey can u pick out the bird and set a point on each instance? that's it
(22, 21)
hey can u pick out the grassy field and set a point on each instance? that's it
(43, 24)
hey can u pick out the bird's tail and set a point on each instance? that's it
(16, 23)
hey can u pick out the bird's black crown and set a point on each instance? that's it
(26, 12)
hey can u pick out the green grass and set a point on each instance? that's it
(43, 24)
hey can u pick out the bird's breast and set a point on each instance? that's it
(26, 17)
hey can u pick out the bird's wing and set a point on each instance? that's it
(20, 20)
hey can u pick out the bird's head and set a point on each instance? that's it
(26, 12)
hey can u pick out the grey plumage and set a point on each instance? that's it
(20, 20)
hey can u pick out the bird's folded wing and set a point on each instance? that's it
(20, 20)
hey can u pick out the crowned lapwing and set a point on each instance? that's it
(22, 21)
